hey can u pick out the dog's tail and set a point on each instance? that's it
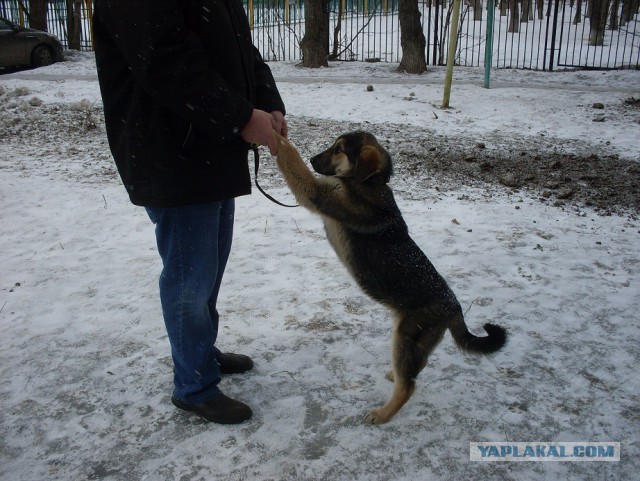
(495, 340)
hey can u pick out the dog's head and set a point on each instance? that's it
(356, 155)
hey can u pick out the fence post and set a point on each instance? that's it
(488, 46)
(553, 34)
(451, 56)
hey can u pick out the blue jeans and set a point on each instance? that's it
(194, 243)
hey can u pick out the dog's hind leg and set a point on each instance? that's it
(413, 341)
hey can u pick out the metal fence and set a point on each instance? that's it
(528, 34)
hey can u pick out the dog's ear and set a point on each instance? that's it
(369, 163)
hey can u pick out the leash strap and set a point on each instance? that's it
(256, 158)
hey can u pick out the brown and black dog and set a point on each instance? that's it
(367, 231)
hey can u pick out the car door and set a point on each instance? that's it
(13, 47)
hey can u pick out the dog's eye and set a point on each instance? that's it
(337, 150)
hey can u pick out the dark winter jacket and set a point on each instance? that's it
(179, 80)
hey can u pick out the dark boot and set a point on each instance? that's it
(221, 409)
(234, 363)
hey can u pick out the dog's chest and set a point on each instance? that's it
(339, 239)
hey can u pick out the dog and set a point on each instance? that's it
(366, 229)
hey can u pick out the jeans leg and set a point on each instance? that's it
(189, 244)
(225, 237)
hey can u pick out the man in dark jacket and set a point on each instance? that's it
(184, 93)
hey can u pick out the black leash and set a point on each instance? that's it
(256, 158)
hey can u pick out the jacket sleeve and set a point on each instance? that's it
(170, 63)
(267, 95)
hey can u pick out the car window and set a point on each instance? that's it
(4, 25)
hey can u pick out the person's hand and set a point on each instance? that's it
(281, 124)
(260, 129)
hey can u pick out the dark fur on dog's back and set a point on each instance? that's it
(367, 231)
(410, 281)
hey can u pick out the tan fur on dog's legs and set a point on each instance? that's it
(412, 345)
(302, 182)
(403, 387)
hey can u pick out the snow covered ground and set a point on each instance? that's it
(85, 362)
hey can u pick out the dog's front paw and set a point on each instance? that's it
(376, 416)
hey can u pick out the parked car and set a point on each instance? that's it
(24, 47)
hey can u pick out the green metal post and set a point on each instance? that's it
(488, 45)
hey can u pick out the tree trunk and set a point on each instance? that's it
(526, 11)
(515, 17)
(38, 14)
(598, 18)
(504, 6)
(477, 10)
(74, 23)
(336, 31)
(626, 13)
(315, 43)
(613, 18)
(629, 9)
(578, 18)
(411, 38)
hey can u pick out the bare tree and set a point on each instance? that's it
(613, 18)
(504, 6)
(598, 16)
(315, 43)
(411, 38)
(578, 18)
(477, 10)
(527, 11)
(336, 31)
(74, 23)
(38, 14)
(514, 19)
(540, 9)
(629, 9)
(340, 48)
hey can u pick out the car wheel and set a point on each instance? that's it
(41, 56)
